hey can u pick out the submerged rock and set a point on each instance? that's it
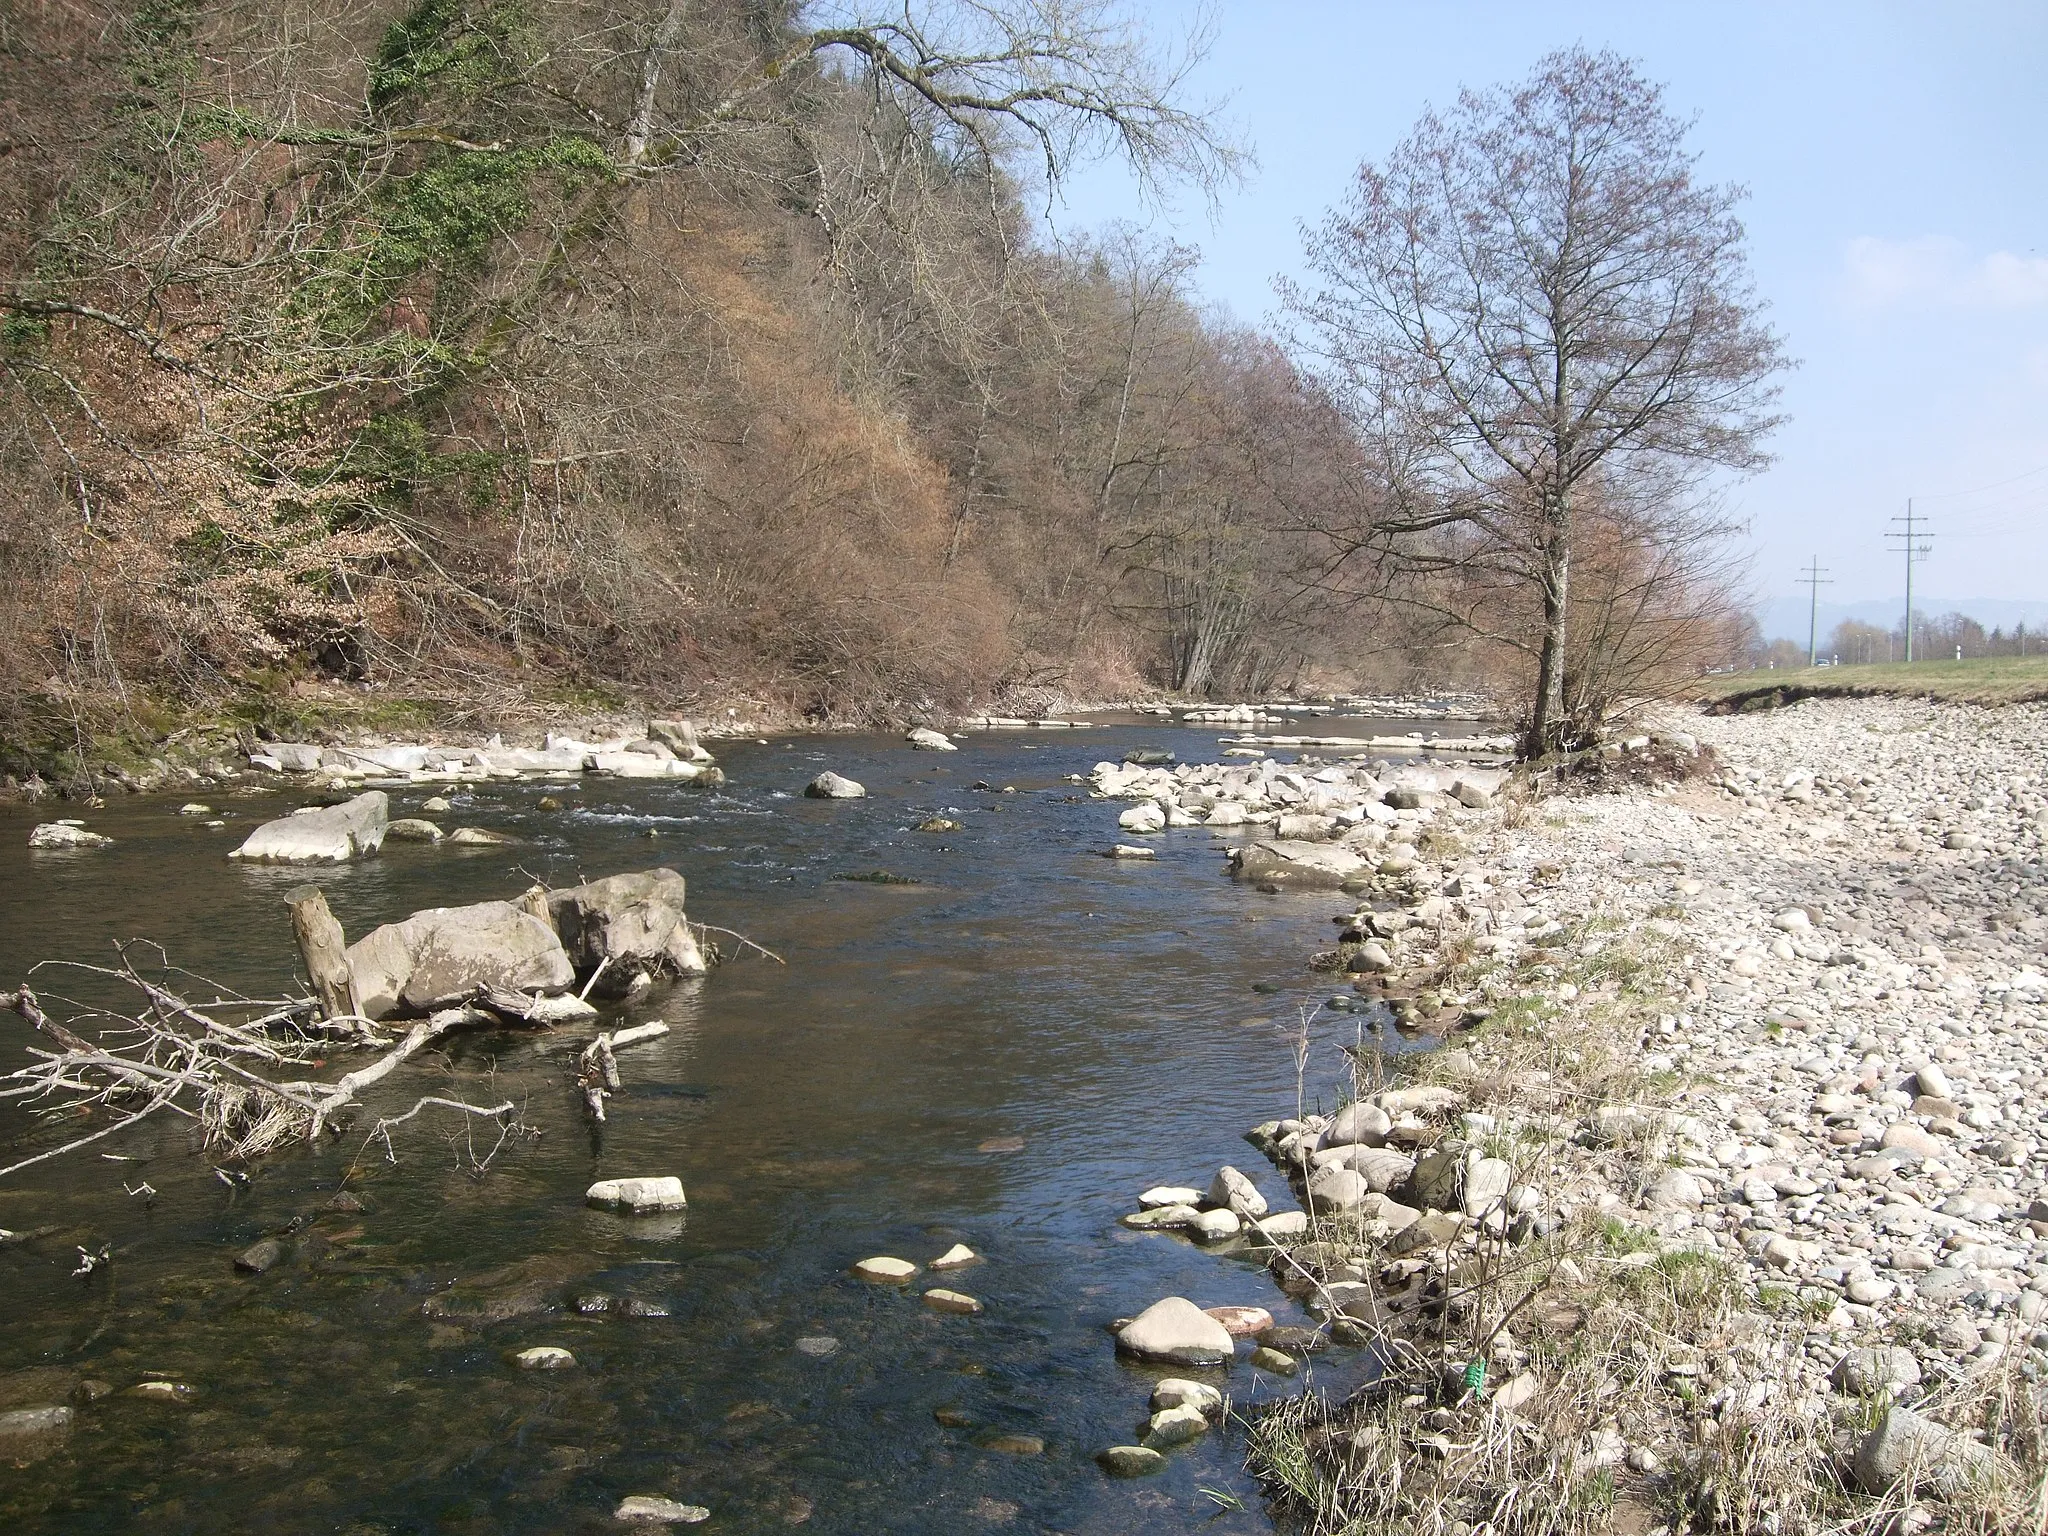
(329, 835)
(259, 1257)
(1129, 1460)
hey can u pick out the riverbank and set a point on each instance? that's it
(1721, 1204)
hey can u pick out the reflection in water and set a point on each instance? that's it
(1002, 1054)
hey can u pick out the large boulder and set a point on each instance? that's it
(1177, 1330)
(1907, 1449)
(1298, 863)
(446, 954)
(331, 835)
(635, 921)
(680, 737)
(834, 786)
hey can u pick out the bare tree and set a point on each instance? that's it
(1530, 292)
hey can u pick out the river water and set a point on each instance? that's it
(1119, 1024)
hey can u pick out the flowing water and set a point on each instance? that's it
(1113, 1024)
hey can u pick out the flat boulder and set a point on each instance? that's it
(926, 739)
(1177, 1330)
(1298, 863)
(447, 954)
(332, 834)
(629, 764)
(66, 834)
(639, 1196)
(634, 921)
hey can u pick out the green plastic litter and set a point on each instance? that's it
(1475, 1377)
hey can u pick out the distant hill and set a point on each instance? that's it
(1785, 618)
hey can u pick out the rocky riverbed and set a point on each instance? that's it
(1725, 1200)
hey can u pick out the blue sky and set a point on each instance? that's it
(1897, 163)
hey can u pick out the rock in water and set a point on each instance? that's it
(1232, 1191)
(1173, 1392)
(885, 1270)
(1296, 863)
(1130, 851)
(259, 1257)
(66, 834)
(651, 1509)
(480, 837)
(411, 829)
(1176, 1329)
(1242, 1322)
(834, 786)
(956, 1257)
(544, 1357)
(635, 921)
(1146, 817)
(1175, 1426)
(443, 955)
(951, 1301)
(330, 835)
(1129, 1460)
(927, 740)
(639, 1196)
(680, 737)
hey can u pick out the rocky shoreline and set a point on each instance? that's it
(1722, 1202)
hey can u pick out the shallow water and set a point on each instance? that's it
(1108, 1014)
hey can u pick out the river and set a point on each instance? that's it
(1119, 1023)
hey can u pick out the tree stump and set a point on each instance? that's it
(323, 950)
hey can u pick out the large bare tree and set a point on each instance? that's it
(1533, 294)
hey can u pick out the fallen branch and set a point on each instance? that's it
(759, 949)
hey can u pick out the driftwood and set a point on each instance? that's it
(175, 1055)
(323, 949)
(597, 1069)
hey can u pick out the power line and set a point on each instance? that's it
(1812, 576)
(1907, 541)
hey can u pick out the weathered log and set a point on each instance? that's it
(323, 950)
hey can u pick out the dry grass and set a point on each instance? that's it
(1984, 680)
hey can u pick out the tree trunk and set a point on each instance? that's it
(323, 949)
(640, 126)
(1547, 719)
